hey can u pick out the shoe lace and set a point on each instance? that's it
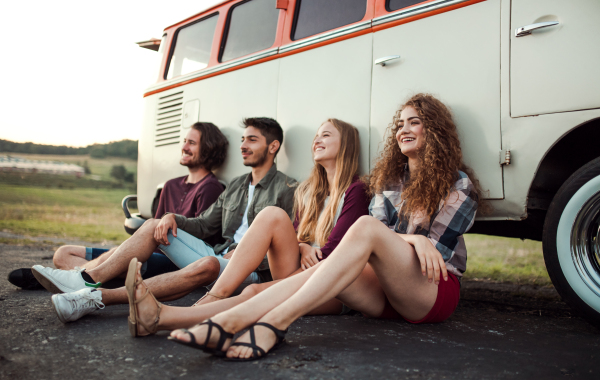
(84, 300)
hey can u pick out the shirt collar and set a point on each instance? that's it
(266, 180)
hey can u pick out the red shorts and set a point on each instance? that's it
(445, 303)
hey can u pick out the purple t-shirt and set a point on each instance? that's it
(356, 204)
(188, 199)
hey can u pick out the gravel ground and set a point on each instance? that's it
(498, 331)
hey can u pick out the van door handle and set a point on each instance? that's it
(527, 29)
(381, 61)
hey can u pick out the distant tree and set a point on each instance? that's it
(98, 152)
(129, 177)
(118, 172)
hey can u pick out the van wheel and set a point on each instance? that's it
(571, 241)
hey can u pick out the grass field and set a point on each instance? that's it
(95, 215)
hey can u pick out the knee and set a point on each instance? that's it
(62, 255)
(205, 267)
(251, 290)
(365, 226)
(273, 214)
(148, 226)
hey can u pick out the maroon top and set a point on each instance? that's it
(356, 204)
(188, 199)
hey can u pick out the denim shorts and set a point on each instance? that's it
(185, 249)
(157, 264)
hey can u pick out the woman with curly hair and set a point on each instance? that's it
(404, 261)
(326, 205)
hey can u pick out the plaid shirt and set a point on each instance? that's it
(444, 229)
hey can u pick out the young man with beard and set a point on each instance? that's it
(182, 239)
(204, 149)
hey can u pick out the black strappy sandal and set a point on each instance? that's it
(279, 334)
(218, 350)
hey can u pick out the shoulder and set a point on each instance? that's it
(288, 181)
(358, 188)
(463, 182)
(211, 185)
(174, 182)
(237, 181)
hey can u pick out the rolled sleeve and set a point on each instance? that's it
(454, 219)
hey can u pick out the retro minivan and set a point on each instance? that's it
(521, 77)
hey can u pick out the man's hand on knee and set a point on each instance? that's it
(162, 229)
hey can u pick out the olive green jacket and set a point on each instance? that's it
(226, 214)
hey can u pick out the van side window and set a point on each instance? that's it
(317, 16)
(394, 5)
(252, 27)
(192, 47)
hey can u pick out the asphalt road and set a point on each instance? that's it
(497, 332)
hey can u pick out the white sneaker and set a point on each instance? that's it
(61, 281)
(71, 306)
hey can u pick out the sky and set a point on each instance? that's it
(71, 71)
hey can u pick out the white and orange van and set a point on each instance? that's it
(521, 77)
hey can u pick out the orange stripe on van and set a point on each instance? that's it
(309, 47)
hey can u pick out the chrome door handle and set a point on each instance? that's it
(381, 61)
(527, 29)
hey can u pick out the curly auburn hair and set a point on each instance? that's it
(440, 159)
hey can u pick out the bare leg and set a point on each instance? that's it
(344, 275)
(272, 232)
(367, 241)
(68, 257)
(140, 245)
(173, 285)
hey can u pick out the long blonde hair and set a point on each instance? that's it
(310, 196)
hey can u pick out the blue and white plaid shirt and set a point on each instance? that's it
(445, 228)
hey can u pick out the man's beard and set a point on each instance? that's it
(192, 164)
(259, 160)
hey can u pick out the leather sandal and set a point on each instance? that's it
(217, 350)
(256, 350)
(206, 295)
(131, 285)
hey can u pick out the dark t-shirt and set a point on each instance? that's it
(188, 199)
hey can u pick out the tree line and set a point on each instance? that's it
(123, 148)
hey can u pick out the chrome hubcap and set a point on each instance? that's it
(585, 243)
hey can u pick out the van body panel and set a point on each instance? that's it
(458, 65)
(333, 81)
(545, 76)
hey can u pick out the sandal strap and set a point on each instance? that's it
(223, 335)
(192, 337)
(154, 328)
(255, 349)
(279, 334)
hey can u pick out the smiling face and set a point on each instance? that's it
(410, 135)
(190, 151)
(326, 144)
(254, 147)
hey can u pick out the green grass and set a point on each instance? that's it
(92, 215)
(505, 260)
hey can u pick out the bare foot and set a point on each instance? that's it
(147, 310)
(264, 338)
(200, 332)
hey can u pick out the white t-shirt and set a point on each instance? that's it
(239, 234)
